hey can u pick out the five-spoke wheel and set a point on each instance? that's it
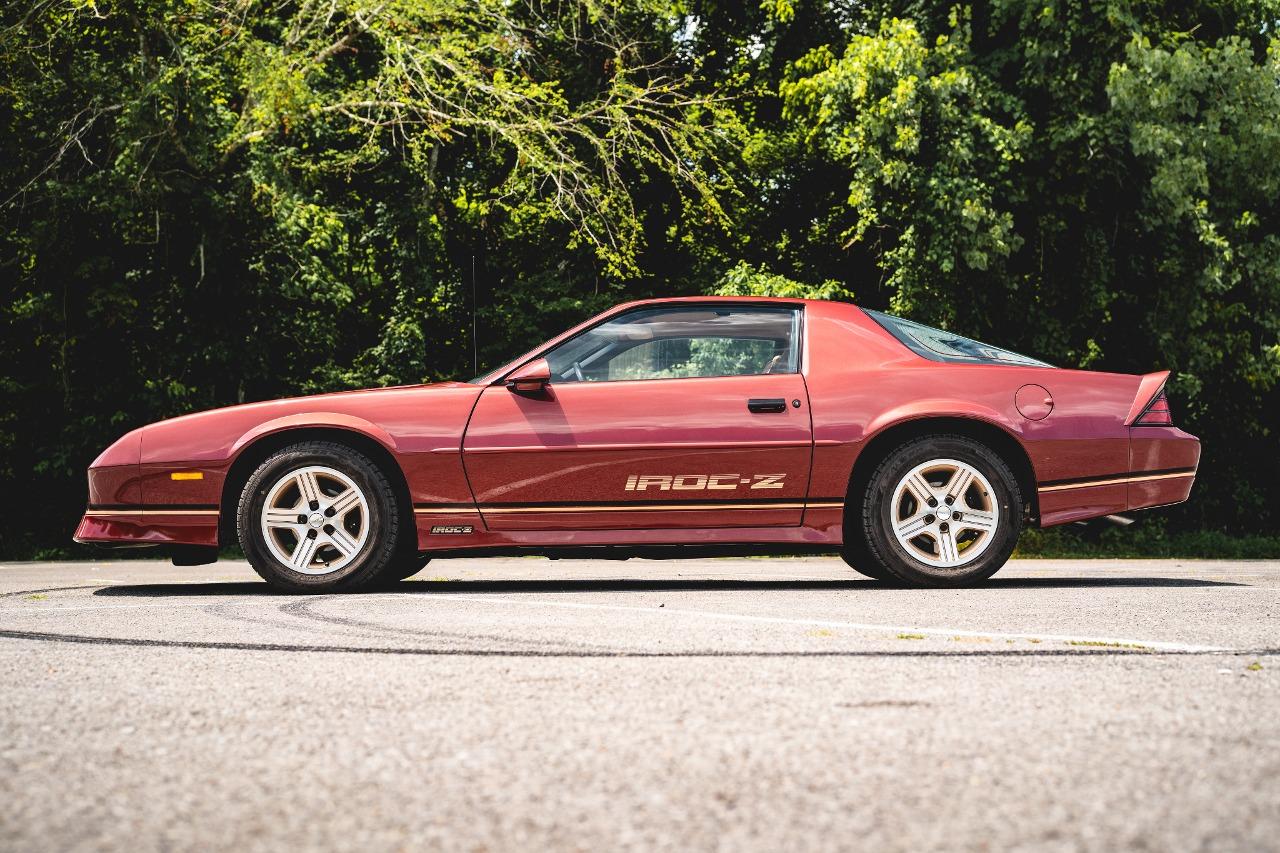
(944, 514)
(320, 516)
(315, 520)
(939, 510)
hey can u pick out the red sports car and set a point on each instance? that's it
(668, 427)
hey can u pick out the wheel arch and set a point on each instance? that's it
(1004, 443)
(257, 449)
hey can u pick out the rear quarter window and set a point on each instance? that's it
(938, 345)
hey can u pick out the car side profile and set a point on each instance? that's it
(661, 428)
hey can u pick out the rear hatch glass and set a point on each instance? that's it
(937, 345)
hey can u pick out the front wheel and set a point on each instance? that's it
(942, 511)
(403, 568)
(319, 517)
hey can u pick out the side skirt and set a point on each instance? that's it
(641, 552)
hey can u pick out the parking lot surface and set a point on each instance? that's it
(516, 704)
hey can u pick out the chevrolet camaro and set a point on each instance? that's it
(669, 427)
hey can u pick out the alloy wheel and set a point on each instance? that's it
(944, 513)
(315, 520)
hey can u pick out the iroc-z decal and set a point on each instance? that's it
(453, 528)
(701, 482)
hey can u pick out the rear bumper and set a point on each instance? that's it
(1162, 470)
(1163, 463)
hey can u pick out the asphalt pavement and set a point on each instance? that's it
(525, 704)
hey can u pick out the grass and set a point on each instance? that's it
(911, 636)
(1139, 541)
(1099, 644)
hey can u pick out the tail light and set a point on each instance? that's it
(1156, 413)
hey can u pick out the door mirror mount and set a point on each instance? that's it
(530, 380)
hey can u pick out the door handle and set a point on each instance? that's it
(762, 405)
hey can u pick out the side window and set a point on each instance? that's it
(682, 342)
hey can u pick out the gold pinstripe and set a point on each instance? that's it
(1116, 482)
(503, 510)
(113, 512)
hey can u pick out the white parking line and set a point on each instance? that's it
(1155, 645)
(31, 610)
(1069, 639)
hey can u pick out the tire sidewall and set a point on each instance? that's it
(878, 511)
(373, 553)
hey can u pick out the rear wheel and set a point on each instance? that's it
(857, 556)
(319, 517)
(942, 511)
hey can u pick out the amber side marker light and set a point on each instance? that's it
(187, 475)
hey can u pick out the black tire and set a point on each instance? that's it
(403, 568)
(856, 556)
(381, 546)
(877, 513)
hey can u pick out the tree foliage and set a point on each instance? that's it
(210, 201)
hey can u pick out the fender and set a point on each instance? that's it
(311, 420)
(839, 441)
(940, 408)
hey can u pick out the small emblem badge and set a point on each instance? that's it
(453, 528)
(701, 482)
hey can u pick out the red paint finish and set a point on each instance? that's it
(802, 535)
(1146, 494)
(1033, 402)
(1082, 503)
(159, 487)
(1166, 449)
(862, 382)
(1161, 448)
(681, 441)
(115, 485)
(163, 527)
(100, 529)
(662, 461)
(125, 451)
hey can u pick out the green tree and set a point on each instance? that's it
(210, 202)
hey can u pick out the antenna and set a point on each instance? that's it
(475, 346)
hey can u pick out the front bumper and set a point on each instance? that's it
(141, 504)
(148, 527)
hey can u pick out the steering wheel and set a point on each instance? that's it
(577, 372)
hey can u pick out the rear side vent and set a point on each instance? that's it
(1156, 413)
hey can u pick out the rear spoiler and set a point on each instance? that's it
(1151, 385)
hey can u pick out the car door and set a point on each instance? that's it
(690, 415)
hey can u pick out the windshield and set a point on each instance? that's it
(937, 345)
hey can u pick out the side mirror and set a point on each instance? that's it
(533, 378)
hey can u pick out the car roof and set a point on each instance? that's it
(623, 307)
(667, 300)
